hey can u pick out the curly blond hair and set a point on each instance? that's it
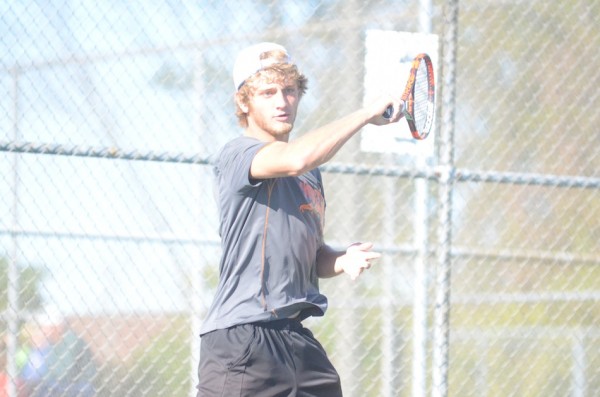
(284, 73)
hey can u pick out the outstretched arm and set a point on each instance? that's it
(280, 159)
(353, 261)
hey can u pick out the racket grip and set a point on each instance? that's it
(388, 112)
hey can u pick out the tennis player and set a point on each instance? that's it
(272, 208)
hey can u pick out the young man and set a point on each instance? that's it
(272, 206)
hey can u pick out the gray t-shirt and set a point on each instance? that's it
(271, 231)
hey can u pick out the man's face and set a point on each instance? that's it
(272, 109)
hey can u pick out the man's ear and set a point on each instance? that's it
(241, 105)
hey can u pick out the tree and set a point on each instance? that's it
(28, 285)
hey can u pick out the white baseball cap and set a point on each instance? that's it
(249, 61)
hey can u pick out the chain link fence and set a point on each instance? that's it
(490, 282)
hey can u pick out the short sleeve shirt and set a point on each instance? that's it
(271, 231)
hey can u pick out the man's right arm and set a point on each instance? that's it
(279, 159)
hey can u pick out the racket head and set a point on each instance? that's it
(419, 97)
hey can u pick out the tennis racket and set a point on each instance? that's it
(418, 97)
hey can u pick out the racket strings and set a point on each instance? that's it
(421, 98)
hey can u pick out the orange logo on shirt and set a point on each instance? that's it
(316, 202)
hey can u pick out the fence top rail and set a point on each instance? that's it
(101, 152)
(429, 172)
(516, 178)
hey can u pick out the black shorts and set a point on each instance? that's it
(275, 359)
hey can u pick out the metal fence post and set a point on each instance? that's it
(441, 338)
(12, 288)
(421, 241)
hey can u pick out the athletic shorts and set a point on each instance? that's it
(272, 359)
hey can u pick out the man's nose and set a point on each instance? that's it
(280, 99)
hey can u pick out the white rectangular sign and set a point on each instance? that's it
(388, 58)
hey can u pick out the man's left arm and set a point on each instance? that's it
(353, 261)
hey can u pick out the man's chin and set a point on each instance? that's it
(283, 128)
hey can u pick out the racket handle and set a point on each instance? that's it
(388, 112)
